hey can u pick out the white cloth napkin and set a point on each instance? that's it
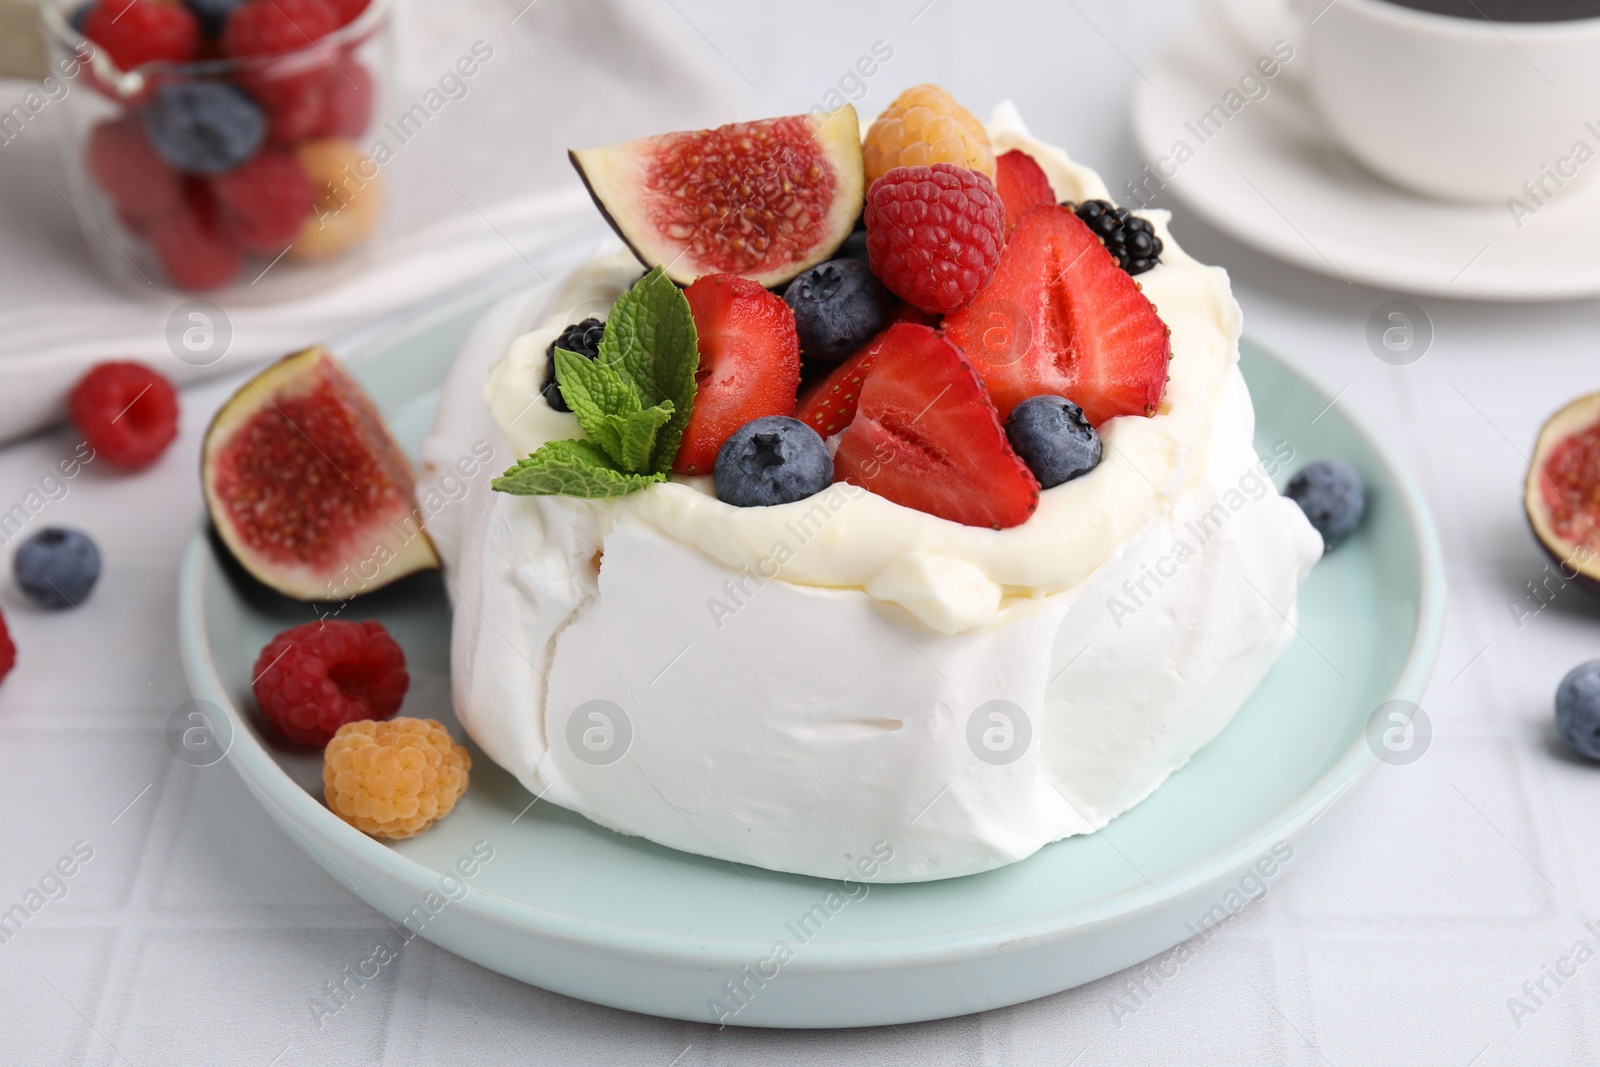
(483, 185)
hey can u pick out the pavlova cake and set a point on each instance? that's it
(887, 507)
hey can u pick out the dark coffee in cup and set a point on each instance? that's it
(1508, 10)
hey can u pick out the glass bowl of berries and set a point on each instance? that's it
(217, 144)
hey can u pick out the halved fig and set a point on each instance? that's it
(306, 486)
(1562, 497)
(763, 200)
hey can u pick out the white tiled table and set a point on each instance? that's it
(198, 931)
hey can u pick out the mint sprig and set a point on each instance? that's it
(571, 468)
(632, 400)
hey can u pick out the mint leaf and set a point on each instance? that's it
(571, 468)
(636, 436)
(650, 338)
(593, 389)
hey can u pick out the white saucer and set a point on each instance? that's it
(1272, 178)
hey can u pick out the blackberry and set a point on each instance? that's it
(581, 338)
(1130, 238)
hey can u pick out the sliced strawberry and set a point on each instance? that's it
(1061, 317)
(1022, 185)
(828, 406)
(926, 436)
(749, 364)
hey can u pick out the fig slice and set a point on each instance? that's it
(1562, 497)
(306, 486)
(763, 200)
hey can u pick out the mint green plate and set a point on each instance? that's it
(574, 908)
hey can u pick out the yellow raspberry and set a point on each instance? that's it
(922, 127)
(393, 779)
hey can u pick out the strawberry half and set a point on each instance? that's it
(1022, 184)
(926, 436)
(749, 364)
(828, 406)
(1061, 317)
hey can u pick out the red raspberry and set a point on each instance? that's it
(347, 99)
(124, 164)
(296, 104)
(333, 99)
(127, 412)
(265, 201)
(274, 27)
(8, 651)
(193, 248)
(934, 234)
(136, 32)
(317, 677)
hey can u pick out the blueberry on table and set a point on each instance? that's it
(1578, 709)
(204, 127)
(1332, 497)
(772, 460)
(1053, 438)
(838, 306)
(57, 567)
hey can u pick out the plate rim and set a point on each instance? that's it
(306, 813)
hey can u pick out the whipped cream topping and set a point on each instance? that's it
(793, 686)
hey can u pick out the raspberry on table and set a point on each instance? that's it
(136, 32)
(266, 201)
(317, 677)
(8, 651)
(922, 127)
(126, 412)
(191, 244)
(394, 779)
(124, 163)
(934, 234)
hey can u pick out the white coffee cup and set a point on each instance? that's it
(1456, 108)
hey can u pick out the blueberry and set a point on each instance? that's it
(581, 338)
(1578, 708)
(57, 567)
(211, 14)
(838, 306)
(80, 16)
(1331, 495)
(1053, 438)
(772, 460)
(204, 127)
